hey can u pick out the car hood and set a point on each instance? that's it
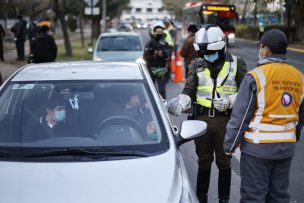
(150, 180)
(119, 55)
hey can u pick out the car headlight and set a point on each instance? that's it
(96, 58)
(140, 60)
(185, 197)
(231, 35)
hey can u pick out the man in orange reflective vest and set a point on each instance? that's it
(267, 122)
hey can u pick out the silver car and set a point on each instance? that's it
(80, 132)
(119, 46)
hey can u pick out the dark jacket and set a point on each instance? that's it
(153, 60)
(188, 51)
(192, 79)
(44, 49)
(242, 115)
(37, 130)
(20, 30)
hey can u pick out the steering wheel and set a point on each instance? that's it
(124, 120)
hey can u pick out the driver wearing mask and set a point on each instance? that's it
(53, 123)
(211, 87)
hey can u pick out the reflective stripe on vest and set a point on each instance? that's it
(279, 95)
(205, 83)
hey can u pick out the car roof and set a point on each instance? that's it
(111, 34)
(80, 70)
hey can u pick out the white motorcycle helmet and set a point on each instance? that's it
(159, 24)
(209, 40)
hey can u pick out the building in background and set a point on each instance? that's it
(145, 11)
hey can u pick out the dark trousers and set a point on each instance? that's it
(20, 49)
(160, 83)
(264, 180)
(212, 143)
(1, 50)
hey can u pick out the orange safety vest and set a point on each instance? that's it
(279, 95)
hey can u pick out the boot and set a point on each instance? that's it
(202, 185)
(224, 181)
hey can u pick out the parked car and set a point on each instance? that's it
(119, 46)
(125, 27)
(120, 145)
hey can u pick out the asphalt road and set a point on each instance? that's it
(249, 52)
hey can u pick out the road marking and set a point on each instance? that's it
(295, 49)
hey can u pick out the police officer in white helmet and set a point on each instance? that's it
(210, 90)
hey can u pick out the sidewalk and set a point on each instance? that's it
(295, 46)
(10, 65)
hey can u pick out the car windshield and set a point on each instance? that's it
(38, 117)
(119, 43)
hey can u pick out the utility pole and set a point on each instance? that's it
(104, 15)
(92, 6)
(282, 11)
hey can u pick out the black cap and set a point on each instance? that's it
(192, 28)
(275, 40)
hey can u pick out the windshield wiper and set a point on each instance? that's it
(88, 151)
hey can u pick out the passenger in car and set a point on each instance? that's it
(54, 123)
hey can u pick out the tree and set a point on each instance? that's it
(114, 9)
(60, 10)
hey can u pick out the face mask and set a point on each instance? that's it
(158, 36)
(212, 57)
(59, 116)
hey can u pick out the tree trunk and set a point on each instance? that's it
(59, 12)
(66, 37)
(244, 11)
(81, 30)
(255, 12)
(96, 26)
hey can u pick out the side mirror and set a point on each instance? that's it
(190, 130)
(90, 50)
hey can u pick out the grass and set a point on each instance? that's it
(59, 35)
(79, 52)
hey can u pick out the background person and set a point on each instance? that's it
(267, 122)
(211, 87)
(20, 32)
(32, 32)
(2, 35)
(44, 48)
(157, 55)
(187, 50)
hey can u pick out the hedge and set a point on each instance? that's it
(253, 32)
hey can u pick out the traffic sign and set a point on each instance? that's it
(91, 3)
(88, 11)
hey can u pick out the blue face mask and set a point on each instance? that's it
(59, 116)
(212, 57)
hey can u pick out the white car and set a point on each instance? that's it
(114, 144)
(119, 46)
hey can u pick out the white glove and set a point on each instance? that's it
(178, 104)
(223, 104)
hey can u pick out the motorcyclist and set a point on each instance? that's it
(210, 89)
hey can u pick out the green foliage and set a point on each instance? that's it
(252, 32)
(247, 31)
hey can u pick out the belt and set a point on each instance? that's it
(212, 112)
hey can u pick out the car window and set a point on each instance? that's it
(80, 114)
(119, 43)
